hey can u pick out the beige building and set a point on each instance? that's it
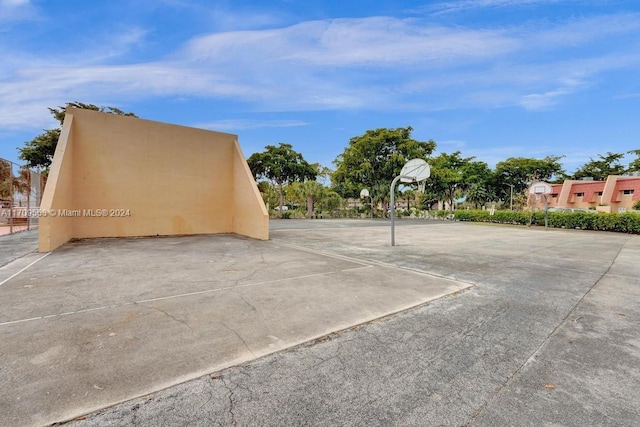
(117, 176)
(616, 194)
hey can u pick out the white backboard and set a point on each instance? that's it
(364, 193)
(416, 170)
(540, 187)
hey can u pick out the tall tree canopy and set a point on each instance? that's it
(600, 169)
(6, 179)
(374, 159)
(308, 193)
(38, 153)
(11, 184)
(281, 165)
(452, 174)
(521, 171)
(634, 165)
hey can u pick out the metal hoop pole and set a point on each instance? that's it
(393, 206)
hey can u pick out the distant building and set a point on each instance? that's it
(616, 194)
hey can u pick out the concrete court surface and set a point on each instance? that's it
(549, 334)
(100, 321)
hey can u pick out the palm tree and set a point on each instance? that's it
(477, 194)
(310, 191)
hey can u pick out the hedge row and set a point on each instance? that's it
(628, 222)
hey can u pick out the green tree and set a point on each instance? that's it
(477, 195)
(479, 181)
(280, 165)
(309, 193)
(522, 171)
(323, 173)
(601, 168)
(446, 176)
(11, 184)
(331, 202)
(452, 175)
(374, 159)
(409, 195)
(38, 153)
(6, 180)
(634, 165)
(269, 194)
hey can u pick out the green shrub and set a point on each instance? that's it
(442, 214)
(628, 222)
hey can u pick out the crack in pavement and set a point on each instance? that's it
(246, 302)
(240, 338)
(230, 396)
(533, 356)
(151, 307)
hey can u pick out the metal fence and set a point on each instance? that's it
(20, 195)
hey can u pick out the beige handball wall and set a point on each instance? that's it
(54, 231)
(117, 176)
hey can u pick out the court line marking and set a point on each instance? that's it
(184, 295)
(363, 264)
(377, 263)
(15, 274)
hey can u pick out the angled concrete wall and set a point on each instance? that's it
(117, 176)
(53, 230)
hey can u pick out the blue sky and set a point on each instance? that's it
(491, 78)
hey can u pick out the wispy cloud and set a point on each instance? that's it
(462, 5)
(542, 101)
(237, 125)
(226, 20)
(13, 11)
(376, 63)
(375, 41)
(631, 95)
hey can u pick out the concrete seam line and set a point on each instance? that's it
(378, 263)
(247, 285)
(327, 254)
(67, 313)
(15, 274)
(226, 288)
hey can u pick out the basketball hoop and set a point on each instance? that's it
(421, 186)
(541, 189)
(415, 170)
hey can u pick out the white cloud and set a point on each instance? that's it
(631, 95)
(542, 101)
(376, 63)
(236, 125)
(462, 5)
(580, 32)
(13, 3)
(12, 11)
(225, 20)
(375, 41)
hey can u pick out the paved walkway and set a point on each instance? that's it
(14, 246)
(5, 229)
